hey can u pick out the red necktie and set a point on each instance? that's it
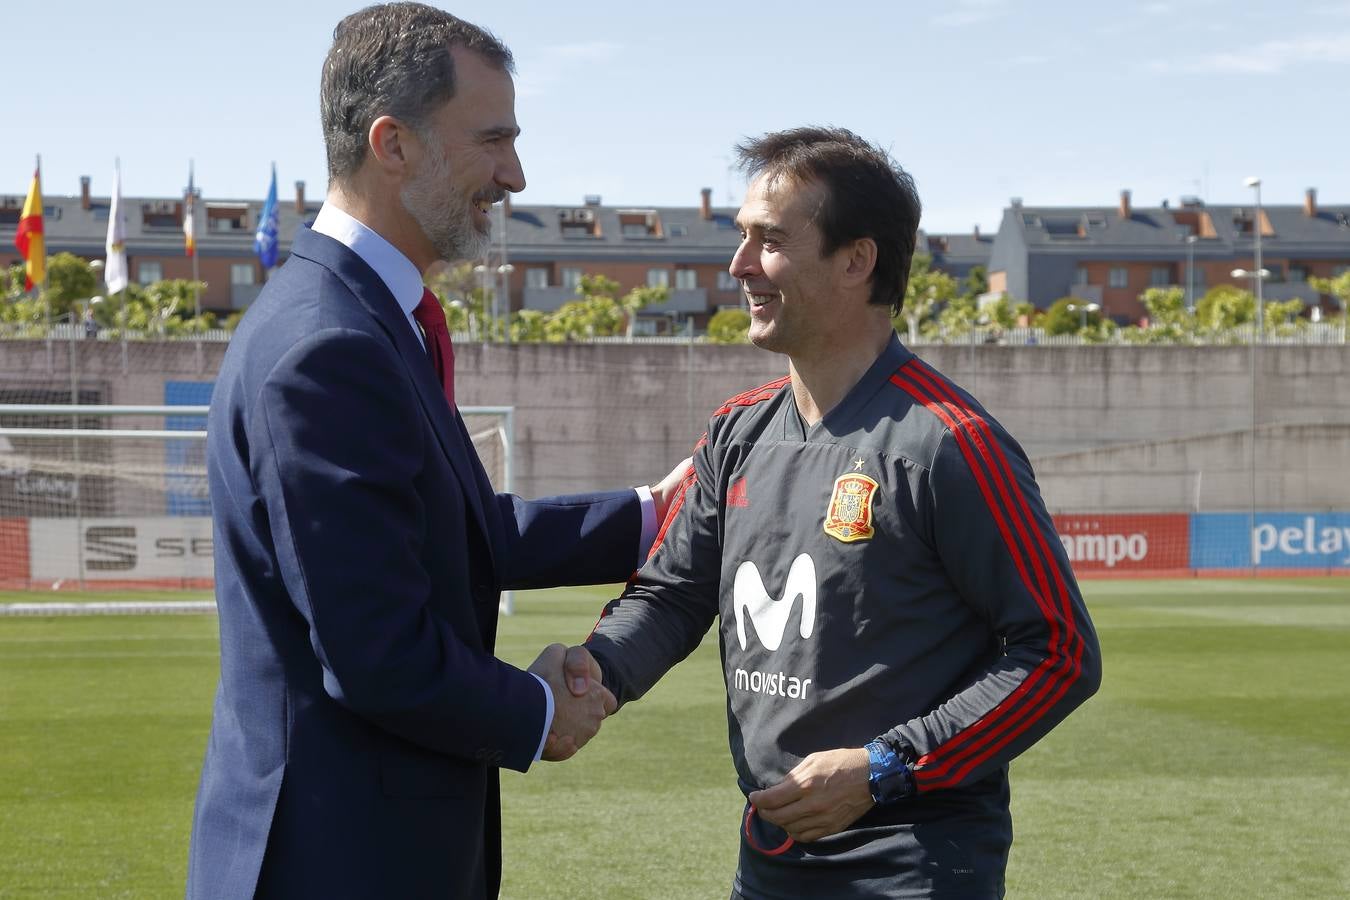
(431, 317)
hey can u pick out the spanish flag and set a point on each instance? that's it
(29, 239)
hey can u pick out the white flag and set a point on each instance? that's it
(115, 267)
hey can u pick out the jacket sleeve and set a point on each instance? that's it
(336, 448)
(999, 548)
(577, 539)
(673, 599)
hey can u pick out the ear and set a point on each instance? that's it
(860, 260)
(392, 145)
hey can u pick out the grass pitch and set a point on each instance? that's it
(1214, 762)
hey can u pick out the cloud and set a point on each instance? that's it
(968, 12)
(552, 65)
(1267, 58)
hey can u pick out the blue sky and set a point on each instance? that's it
(981, 100)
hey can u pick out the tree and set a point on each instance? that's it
(977, 281)
(1169, 321)
(163, 307)
(70, 279)
(528, 326)
(1338, 287)
(1224, 307)
(463, 299)
(640, 298)
(729, 326)
(1282, 316)
(588, 318)
(1059, 319)
(927, 292)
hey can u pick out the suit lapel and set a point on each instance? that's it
(372, 293)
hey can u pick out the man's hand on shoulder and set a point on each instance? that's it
(580, 701)
(823, 795)
(664, 491)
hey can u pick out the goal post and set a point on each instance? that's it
(96, 497)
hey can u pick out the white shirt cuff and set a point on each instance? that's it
(548, 715)
(649, 523)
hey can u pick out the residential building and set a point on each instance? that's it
(1110, 256)
(154, 238)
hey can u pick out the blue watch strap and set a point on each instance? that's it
(889, 777)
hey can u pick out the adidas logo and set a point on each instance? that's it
(736, 495)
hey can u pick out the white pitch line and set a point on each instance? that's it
(108, 608)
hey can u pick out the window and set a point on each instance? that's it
(634, 229)
(149, 272)
(241, 273)
(571, 278)
(686, 279)
(658, 278)
(1298, 273)
(536, 277)
(1161, 276)
(1119, 277)
(1080, 275)
(725, 281)
(1198, 277)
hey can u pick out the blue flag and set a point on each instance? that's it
(265, 241)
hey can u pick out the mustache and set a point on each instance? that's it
(491, 195)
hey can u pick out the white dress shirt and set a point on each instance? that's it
(404, 281)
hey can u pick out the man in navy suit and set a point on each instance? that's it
(361, 716)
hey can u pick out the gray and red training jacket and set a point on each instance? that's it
(890, 572)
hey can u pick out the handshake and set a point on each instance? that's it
(580, 701)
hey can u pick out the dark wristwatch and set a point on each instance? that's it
(889, 777)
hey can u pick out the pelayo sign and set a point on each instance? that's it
(1271, 541)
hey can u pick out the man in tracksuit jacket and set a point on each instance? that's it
(897, 617)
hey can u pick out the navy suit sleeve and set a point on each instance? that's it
(337, 448)
(578, 539)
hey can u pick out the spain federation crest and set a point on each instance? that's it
(849, 517)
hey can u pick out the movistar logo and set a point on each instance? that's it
(770, 616)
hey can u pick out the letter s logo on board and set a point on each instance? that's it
(770, 617)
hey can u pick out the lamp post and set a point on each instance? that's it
(1190, 272)
(1258, 276)
(1255, 184)
(482, 271)
(1084, 309)
(504, 270)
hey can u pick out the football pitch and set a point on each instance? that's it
(1215, 761)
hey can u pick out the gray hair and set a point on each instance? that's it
(392, 59)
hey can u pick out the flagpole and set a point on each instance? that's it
(196, 273)
(42, 285)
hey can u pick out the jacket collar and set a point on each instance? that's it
(375, 297)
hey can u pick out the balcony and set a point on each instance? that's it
(688, 300)
(1089, 292)
(548, 299)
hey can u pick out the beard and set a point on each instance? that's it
(445, 219)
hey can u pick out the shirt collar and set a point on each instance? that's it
(396, 271)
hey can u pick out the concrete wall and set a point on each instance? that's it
(1110, 428)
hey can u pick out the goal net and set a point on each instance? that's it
(115, 498)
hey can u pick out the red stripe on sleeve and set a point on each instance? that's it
(975, 440)
(1070, 666)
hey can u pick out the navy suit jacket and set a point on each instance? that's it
(360, 551)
